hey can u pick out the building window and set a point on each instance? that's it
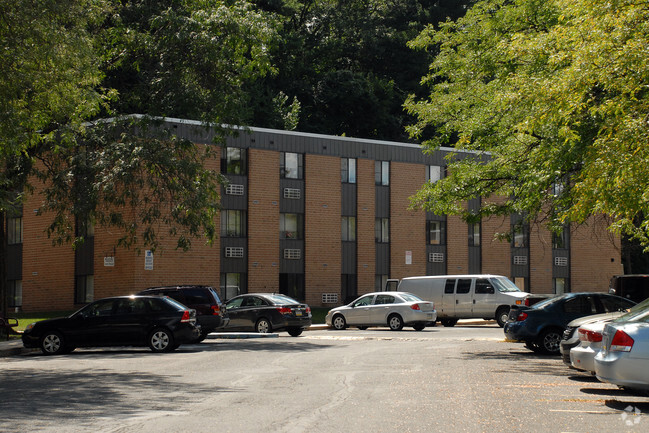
(292, 285)
(291, 226)
(84, 289)
(234, 161)
(233, 284)
(560, 240)
(348, 170)
(233, 223)
(435, 232)
(433, 173)
(291, 165)
(474, 234)
(561, 285)
(382, 230)
(15, 231)
(520, 236)
(380, 282)
(382, 172)
(15, 294)
(348, 287)
(348, 228)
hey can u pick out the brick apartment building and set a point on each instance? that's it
(321, 218)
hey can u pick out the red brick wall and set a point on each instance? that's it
(407, 227)
(595, 256)
(322, 227)
(263, 218)
(496, 254)
(48, 271)
(366, 248)
(457, 246)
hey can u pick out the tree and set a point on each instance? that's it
(64, 64)
(551, 97)
(347, 64)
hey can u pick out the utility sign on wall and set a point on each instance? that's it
(408, 257)
(148, 260)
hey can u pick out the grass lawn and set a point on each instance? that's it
(25, 319)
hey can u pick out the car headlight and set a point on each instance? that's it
(30, 326)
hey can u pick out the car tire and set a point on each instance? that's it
(161, 340)
(52, 343)
(533, 346)
(263, 326)
(395, 322)
(294, 332)
(549, 341)
(338, 322)
(449, 323)
(200, 338)
(502, 313)
(419, 327)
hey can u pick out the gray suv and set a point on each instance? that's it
(210, 311)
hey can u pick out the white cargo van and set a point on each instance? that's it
(466, 296)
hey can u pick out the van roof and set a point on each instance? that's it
(458, 276)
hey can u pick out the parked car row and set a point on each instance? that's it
(608, 336)
(163, 318)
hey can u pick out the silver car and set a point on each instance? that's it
(392, 309)
(624, 357)
(582, 357)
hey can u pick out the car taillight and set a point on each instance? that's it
(216, 310)
(527, 302)
(415, 307)
(592, 336)
(185, 317)
(284, 310)
(521, 317)
(308, 310)
(621, 342)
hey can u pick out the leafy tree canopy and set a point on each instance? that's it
(554, 93)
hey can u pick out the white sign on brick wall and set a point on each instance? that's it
(148, 260)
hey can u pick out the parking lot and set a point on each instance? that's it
(465, 378)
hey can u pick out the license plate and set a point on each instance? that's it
(298, 313)
(429, 316)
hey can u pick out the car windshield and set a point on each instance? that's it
(635, 313)
(504, 284)
(409, 297)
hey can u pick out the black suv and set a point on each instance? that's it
(210, 311)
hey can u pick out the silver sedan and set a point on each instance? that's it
(624, 357)
(392, 309)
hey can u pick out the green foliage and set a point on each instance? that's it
(347, 63)
(554, 94)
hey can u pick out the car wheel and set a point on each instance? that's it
(533, 346)
(362, 328)
(419, 327)
(395, 322)
(502, 314)
(161, 340)
(550, 340)
(52, 343)
(294, 332)
(339, 322)
(263, 326)
(200, 338)
(449, 323)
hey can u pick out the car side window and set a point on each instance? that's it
(101, 308)
(234, 303)
(612, 305)
(384, 299)
(449, 288)
(463, 285)
(364, 301)
(483, 286)
(581, 305)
